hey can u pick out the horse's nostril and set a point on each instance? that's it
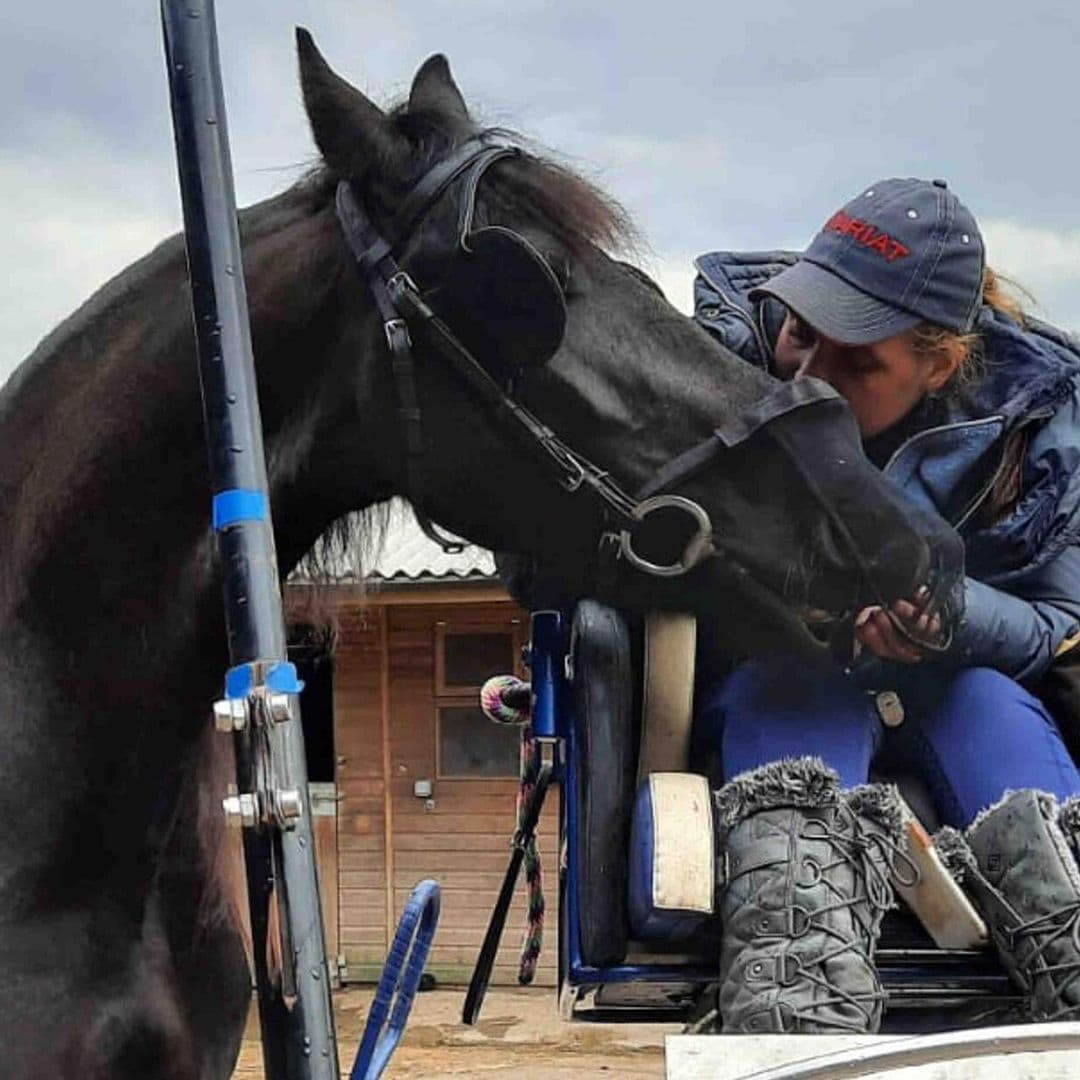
(902, 568)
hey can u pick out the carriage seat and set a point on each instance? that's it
(644, 846)
(647, 859)
(634, 915)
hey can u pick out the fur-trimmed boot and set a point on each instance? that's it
(805, 884)
(1023, 876)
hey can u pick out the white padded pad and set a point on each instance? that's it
(684, 863)
(668, 697)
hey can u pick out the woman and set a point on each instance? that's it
(975, 412)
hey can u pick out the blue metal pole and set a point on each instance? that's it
(295, 1010)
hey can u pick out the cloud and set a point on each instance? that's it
(1024, 251)
(674, 273)
(714, 133)
(70, 227)
(1044, 261)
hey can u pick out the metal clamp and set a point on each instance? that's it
(698, 548)
(397, 334)
(247, 809)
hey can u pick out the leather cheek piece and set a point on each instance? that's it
(503, 300)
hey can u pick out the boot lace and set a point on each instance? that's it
(1043, 932)
(873, 858)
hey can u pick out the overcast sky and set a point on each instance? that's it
(719, 125)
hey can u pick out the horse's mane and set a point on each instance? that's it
(535, 188)
(541, 189)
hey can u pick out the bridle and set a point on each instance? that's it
(498, 269)
(405, 312)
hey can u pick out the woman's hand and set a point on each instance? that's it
(877, 631)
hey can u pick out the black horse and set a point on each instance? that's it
(118, 958)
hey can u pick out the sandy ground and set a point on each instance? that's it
(519, 1035)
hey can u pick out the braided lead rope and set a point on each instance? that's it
(494, 706)
(536, 906)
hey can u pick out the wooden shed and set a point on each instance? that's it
(409, 778)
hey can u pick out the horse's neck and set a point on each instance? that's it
(103, 478)
(112, 640)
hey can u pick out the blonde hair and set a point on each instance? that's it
(963, 352)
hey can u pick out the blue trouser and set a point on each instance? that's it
(971, 735)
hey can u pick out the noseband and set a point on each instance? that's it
(512, 274)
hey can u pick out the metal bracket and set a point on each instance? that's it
(282, 808)
(279, 707)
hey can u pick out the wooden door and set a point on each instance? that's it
(454, 780)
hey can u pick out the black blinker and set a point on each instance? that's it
(503, 300)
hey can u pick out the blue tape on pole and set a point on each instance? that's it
(236, 505)
(280, 677)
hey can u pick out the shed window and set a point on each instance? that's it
(470, 658)
(470, 745)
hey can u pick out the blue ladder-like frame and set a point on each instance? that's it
(399, 982)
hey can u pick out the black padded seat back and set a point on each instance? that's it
(604, 703)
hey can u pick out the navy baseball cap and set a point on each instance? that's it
(902, 252)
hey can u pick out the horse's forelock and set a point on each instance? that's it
(534, 187)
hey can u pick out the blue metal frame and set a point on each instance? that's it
(399, 982)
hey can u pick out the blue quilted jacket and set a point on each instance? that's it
(1022, 592)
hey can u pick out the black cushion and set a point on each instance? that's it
(603, 694)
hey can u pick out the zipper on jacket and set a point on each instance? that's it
(985, 490)
(730, 305)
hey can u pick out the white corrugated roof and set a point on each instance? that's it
(407, 554)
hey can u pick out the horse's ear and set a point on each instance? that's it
(352, 133)
(434, 90)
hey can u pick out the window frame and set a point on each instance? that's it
(444, 696)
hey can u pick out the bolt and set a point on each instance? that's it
(241, 809)
(289, 805)
(280, 707)
(230, 714)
